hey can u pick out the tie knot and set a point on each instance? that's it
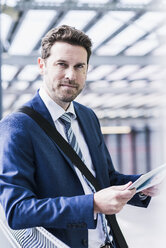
(66, 118)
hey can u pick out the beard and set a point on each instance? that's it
(64, 91)
(69, 95)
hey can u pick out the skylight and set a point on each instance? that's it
(95, 32)
(100, 72)
(135, 1)
(112, 48)
(142, 47)
(99, 85)
(150, 20)
(8, 100)
(29, 73)
(31, 30)
(122, 16)
(161, 31)
(9, 2)
(93, 1)
(77, 19)
(5, 22)
(22, 99)
(128, 35)
(19, 85)
(145, 72)
(8, 72)
(123, 72)
(160, 51)
(50, 1)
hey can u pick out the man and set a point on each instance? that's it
(39, 184)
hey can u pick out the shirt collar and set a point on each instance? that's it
(55, 110)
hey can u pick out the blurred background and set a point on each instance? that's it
(125, 84)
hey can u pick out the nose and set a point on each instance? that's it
(70, 74)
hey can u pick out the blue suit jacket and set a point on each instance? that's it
(38, 185)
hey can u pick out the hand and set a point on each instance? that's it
(111, 200)
(152, 191)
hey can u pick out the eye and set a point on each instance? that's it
(80, 66)
(61, 64)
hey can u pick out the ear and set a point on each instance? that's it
(41, 64)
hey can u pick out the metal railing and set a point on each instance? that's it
(36, 237)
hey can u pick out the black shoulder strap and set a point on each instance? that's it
(52, 132)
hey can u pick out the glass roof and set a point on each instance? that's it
(30, 30)
(82, 17)
(126, 77)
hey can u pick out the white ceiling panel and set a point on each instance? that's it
(142, 47)
(77, 19)
(9, 2)
(8, 72)
(160, 51)
(123, 72)
(150, 20)
(5, 21)
(29, 73)
(21, 100)
(93, 1)
(104, 27)
(145, 72)
(100, 72)
(129, 35)
(98, 85)
(126, 80)
(136, 1)
(8, 101)
(30, 31)
(51, 1)
(123, 16)
(19, 85)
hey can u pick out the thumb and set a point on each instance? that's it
(123, 187)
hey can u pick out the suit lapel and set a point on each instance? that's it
(38, 105)
(86, 125)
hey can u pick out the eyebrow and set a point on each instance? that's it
(80, 63)
(61, 60)
(64, 61)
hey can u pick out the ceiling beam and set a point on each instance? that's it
(22, 60)
(74, 5)
(124, 26)
(60, 15)
(98, 91)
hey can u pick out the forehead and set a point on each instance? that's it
(65, 51)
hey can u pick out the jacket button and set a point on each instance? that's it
(83, 225)
(85, 242)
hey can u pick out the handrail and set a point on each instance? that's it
(31, 237)
(36, 237)
(13, 242)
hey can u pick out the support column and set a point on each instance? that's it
(133, 150)
(147, 147)
(0, 71)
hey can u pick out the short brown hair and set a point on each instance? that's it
(67, 34)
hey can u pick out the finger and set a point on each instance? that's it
(122, 187)
(151, 192)
(126, 195)
(127, 185)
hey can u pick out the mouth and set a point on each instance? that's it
(69, 86)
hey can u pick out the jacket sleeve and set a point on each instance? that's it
(116, 178)
(22, 206)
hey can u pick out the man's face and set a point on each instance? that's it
(64, 72)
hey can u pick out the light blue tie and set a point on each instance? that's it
(66, 120)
